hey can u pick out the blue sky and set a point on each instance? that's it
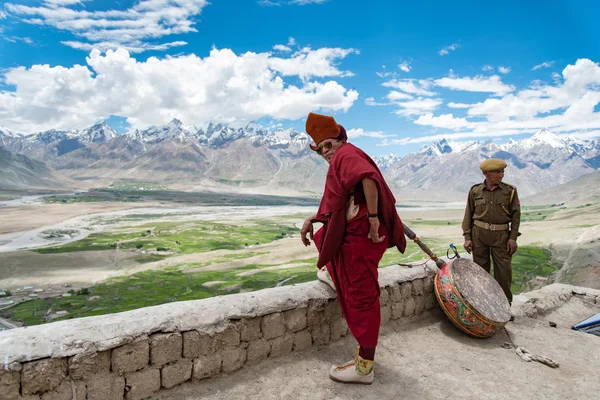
(397, 75)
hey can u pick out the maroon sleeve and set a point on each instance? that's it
(352, 168)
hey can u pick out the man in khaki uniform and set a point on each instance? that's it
(491, 223)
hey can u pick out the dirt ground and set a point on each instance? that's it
(428, 358)
(27, 268)
(24, 218)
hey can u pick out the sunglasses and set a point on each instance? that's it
(327, 145)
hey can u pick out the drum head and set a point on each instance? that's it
(480, 290)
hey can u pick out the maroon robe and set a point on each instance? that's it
(351, 258)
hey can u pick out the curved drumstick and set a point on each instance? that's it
(411, 235)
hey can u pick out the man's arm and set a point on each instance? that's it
(372, 198)
(371, 195)
(468, 223)
(515, 212)
(307, 229)
(468, 218)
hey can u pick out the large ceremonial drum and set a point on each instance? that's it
(471, 298)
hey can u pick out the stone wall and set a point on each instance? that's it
(134, 354)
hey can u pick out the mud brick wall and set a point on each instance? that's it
(133, 355)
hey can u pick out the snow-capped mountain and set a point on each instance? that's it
(99, 133)
(384, 162)
(173, 130)
(545, 138)
(218, 135)
(7, 136)
(241, 155)
(253, 155)
(536, 163)
(8, 133)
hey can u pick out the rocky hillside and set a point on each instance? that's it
(21, 172)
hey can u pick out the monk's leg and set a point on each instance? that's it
(357, 284)
(362, 305)
(360, 257)
(358, 294)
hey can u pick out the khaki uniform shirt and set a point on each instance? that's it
(494, 207)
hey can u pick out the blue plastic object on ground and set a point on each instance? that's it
(590, 325)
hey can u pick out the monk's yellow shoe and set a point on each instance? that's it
(361, 371)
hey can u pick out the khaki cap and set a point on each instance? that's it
(492, 164)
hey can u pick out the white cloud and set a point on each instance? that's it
(370, 101)
(289, 2)
(133, 28)
(268, 3)
(487, 68)
(355, 133)
(291, 41)
(133, 47)
(417, 107)
(567, 105)
(15, 39)
(556, 77)
(448, 49)
(61, 3)
(504, 70)
(413, 86)
(2, 14)
(448, 136)
(281, 47)
(492, 84)
(221, 87)
(305, 2)
(589, 134)
(307, 62)
(405, 66)
(443, 121)
(546, 64)
(394, 95)
(459, 105)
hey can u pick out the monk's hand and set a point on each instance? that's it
(511, 246)
(374, 231)
(307, 229)
(468, 245)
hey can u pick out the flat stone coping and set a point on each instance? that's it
(549, 298)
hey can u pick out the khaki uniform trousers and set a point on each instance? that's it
(486, 243)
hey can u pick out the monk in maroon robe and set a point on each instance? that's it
(358, 213)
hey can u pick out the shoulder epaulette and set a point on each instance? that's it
(512, 192)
